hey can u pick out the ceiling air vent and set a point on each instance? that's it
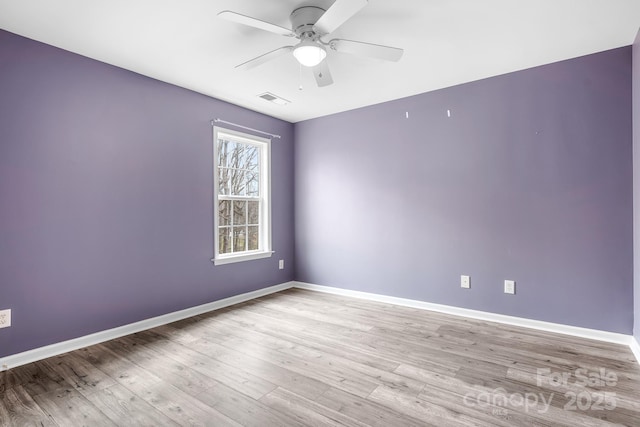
(268, 96)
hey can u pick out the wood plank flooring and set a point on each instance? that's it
(302, 358)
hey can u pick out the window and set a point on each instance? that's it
(242, 225)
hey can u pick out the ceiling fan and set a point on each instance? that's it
(310, 24)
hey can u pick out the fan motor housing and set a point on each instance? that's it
(303, 19)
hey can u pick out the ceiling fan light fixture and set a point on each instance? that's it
(309, 53)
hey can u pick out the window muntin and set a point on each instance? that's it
(242, 221)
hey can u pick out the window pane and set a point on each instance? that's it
(225, 152)
(254, 212)
(253, 239)
(239, 239)
(238, 184)
(239, 212)
(224, 212)
(253, 184)
(253, 159)
(222, 148)
(223, 181)
(237, 156)
(224, 241)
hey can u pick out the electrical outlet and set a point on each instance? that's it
(510, 287)
(281, 264)
(5, 318)
(465, 281)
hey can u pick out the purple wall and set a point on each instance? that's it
(106, 213)
(106, 197)
(636, 185)
(530, 179)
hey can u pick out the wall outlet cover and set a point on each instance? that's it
(510, 287)
(5, 318)
(465, 281)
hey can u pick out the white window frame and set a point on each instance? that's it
(264, 249)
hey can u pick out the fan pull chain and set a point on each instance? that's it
(300, 76)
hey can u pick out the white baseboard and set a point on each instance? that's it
(36, 354)
(595, 334)
(635, 348)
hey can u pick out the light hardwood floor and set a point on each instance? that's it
(304, 358)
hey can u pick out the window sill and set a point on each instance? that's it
(243, 257)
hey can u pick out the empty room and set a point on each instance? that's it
(320, 213)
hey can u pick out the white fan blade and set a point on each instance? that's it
(338, 14)
(370, 50)
(252, 63)
(322, 74)
(256, 23)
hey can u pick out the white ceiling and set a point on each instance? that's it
(446, 42)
